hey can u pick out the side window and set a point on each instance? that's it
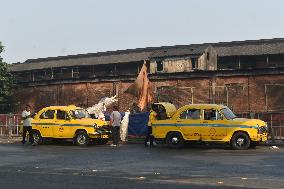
(61, 115)
(211, 115)
(49, 114)
(190, 114)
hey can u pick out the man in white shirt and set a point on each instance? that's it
(115, 119)
(27, 125)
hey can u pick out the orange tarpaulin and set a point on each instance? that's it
(141, 88)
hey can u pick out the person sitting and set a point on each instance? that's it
(135, 108)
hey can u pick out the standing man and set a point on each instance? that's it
(149, 140)
(115, 119)
(27, 125)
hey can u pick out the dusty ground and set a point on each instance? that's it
(134, 166)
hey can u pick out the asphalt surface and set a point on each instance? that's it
(134, 166)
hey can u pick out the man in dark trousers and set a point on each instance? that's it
(27, 125)
(115, 120)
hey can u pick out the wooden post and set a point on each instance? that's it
(52, 74)
(227, 91)
(271, 129)
(33, 76)
(214, 92)
(265, 93)
(249, 107)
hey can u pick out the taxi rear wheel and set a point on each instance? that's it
(240, 141)
(81, 138)
(175, 140)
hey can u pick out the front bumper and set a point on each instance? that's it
(260, 138)
(98, 135)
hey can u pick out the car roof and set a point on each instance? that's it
(216, 106)
(70, 107)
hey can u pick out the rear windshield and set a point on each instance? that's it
(228, 113)
(79, 114)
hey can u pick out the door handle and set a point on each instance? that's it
(205, 121)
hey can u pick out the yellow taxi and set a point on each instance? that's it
(206, 123)
(69, 122)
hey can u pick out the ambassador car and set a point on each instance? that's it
(206, 123)
(68, 122)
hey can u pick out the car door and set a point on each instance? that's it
(46, 123)
(213, 127)
(189, 123)
(62, 128)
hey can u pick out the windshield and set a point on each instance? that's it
(79, 114)
(228, 113)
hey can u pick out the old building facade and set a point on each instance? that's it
(248, 76)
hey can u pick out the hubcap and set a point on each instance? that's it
(81, 139)
(36, 138)
(240, 141)
(175, 140)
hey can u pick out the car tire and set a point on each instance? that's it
(240, 141)
(37, 137)
(175, 140)
(102, 141)
(81, 138)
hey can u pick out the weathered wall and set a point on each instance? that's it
(208, 60)
(172, 65)
(241, 93)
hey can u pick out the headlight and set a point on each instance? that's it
(95, 126)
(262, 129)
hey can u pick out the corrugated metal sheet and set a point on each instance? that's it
(251, 49)
(179, 51)
(109, 59)
(237, 48)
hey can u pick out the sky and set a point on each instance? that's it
(47, 28)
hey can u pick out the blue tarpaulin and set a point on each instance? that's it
(137, 125)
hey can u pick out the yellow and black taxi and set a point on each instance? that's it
(208, 123)
(68, 122)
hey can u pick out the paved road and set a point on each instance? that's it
(134, 166)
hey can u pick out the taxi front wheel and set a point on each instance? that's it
(37, 137)
(175, 140)
(240, 141)
(81, 138)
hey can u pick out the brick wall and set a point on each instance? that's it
(242, 93)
